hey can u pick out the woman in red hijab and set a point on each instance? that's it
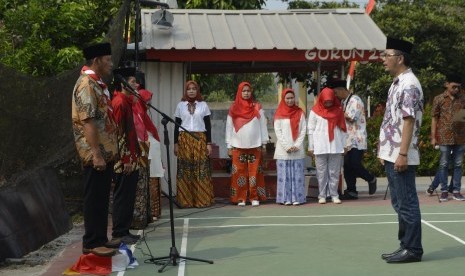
(151, 168)
(246, 138)
(193, 177)
(290, 128)
(326, 142)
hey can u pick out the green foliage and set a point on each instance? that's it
(223, 4)
(271, 97)
(434, 26)
(41, 37)
(211, 84)
(217, 96)
(34, 58)
(371, 161)
(436, 29)
(300, 4)
(428, 155)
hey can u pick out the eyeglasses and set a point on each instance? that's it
(455, 87)
(385, 55)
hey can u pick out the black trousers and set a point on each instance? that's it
(97, 185)
(353, 168)
(124, 197)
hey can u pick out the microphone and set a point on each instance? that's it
(122, 80)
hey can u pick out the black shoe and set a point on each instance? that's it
(349, 195)
(129, 240)
(114, 243)
(388, 255)
(100, 251)
(404, 256)
(372, 186)
(430, 191)
(136, 237)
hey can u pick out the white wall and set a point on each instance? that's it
(166, 82)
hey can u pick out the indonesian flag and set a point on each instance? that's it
(97, 265)
(370, 6)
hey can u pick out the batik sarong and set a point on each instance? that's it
(193, 178)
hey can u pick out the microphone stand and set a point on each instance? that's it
(173, 256)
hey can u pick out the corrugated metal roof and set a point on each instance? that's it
(343, 29)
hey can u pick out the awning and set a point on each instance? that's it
(262, 38)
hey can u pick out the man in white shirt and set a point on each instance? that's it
(398, 149)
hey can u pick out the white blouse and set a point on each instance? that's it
(282, 128)
(318, 137)
(251, 135)
(192, 122)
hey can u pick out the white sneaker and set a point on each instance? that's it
(242, 204)
(255, 203)
(296, 203)
(336, 200)
(287, 203)
(322, 200)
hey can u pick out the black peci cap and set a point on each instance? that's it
(125, 72)
(97, 50)
(337, 83)
(398, 44)
(454, 78)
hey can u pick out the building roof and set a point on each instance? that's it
(263, 36)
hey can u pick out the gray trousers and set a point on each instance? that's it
(328, 169)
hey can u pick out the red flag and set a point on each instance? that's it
(370, 6)
(350, 76)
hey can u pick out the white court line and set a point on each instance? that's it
(182, 265)
(446, 221)
(443, 232)
(310, 224)
(310, 216)
(292, 225)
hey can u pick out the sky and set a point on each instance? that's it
(280, 5)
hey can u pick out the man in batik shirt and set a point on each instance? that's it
(354, 114)
(449, 136)
(398, 149)
(95, 137)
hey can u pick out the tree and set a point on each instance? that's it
(299, 4)
(216, 87)
(44, 37)
(434, 26)
(436, 29)
(223, 4)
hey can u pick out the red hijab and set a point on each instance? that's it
(333, 114)
(243, 111)
(294, 113)
(142, 121)
(186, 98)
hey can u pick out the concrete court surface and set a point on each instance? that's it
(310, 239)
